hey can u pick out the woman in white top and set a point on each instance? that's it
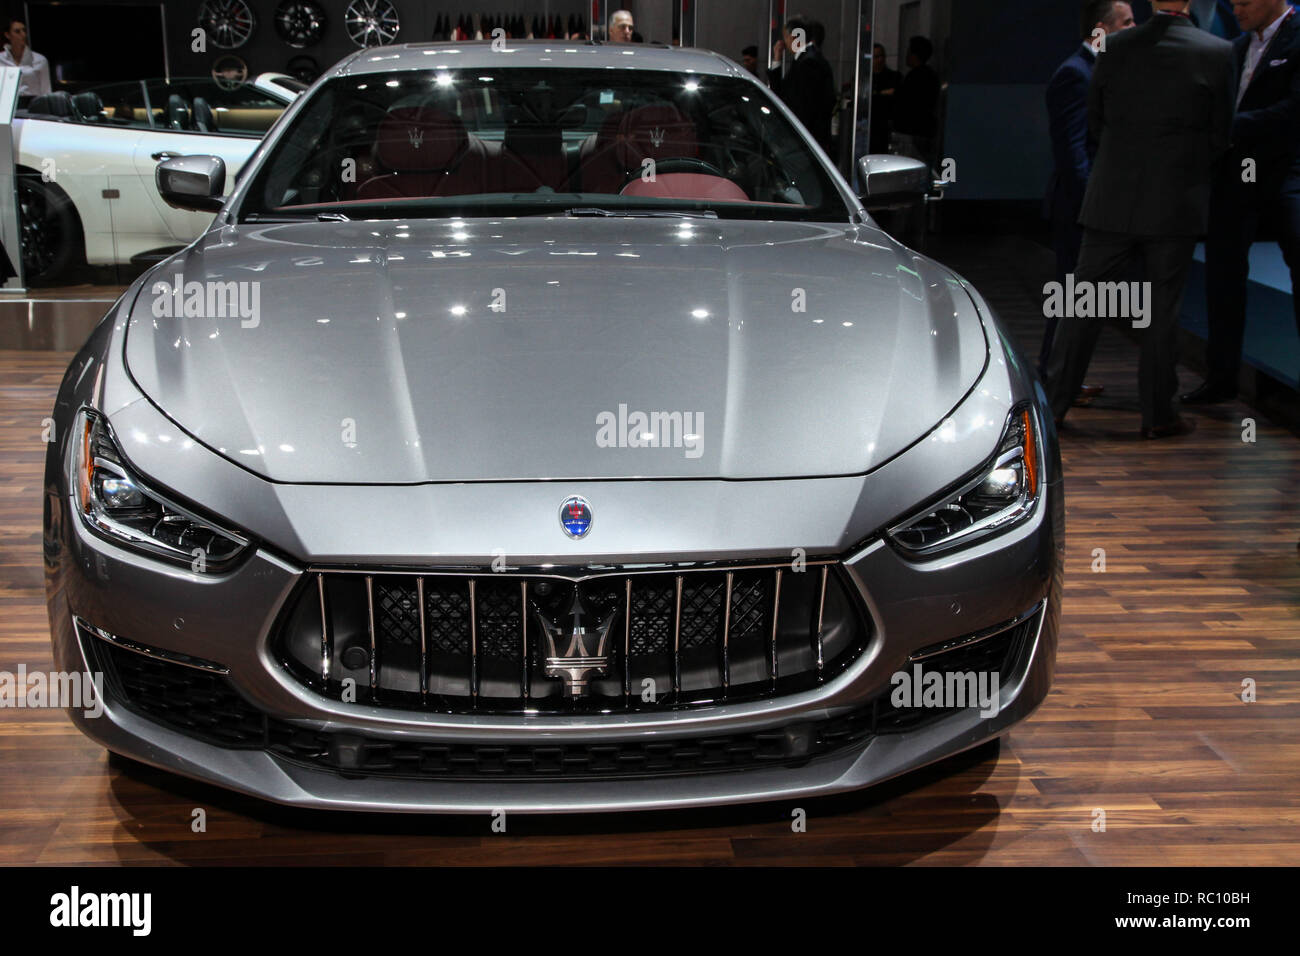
(35, 68)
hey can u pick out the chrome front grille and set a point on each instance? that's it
(516, 642)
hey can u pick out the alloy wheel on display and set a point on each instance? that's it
(300, 23)
(229, 23)
(372, 22)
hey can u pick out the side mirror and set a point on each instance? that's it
(192, 182)
(889, 180)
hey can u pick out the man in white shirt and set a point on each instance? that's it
(1271, 15)
(34, 68)
(1259, 185)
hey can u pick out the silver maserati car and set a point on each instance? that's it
(549, 428)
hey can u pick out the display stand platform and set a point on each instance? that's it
(53, 319)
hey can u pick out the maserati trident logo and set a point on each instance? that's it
(578, 653)
(656, 137)
(575, 516)
(416, 136)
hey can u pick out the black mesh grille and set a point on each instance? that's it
(447, 612)
(397, 613)
(499, 619)
(998, 654)
(356, 755)
(750, 609)
(701, 613)
(652, 618)
(197, 703)
(659, 639)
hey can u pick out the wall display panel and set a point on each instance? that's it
(89, 43)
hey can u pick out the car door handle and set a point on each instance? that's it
(164, 154)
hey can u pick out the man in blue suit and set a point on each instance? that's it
(1072, 153)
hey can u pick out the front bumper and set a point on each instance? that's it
(231, 620)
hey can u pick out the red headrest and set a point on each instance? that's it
(655, 132)
(419, 139)
(699, 186)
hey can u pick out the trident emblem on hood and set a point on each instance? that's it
(578, 653)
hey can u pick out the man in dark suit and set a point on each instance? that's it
(884, 93)
(916, 112)
(1072, 150)
(1160, 107)
(1260, 183)
(808, 85)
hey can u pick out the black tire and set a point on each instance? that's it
(50, 230)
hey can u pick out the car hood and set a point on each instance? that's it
(553, 348)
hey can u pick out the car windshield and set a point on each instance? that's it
(519, 141)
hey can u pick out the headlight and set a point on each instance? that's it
(1002, 493)
(115, 503)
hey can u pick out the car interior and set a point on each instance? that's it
(183, 106)
(531, 139)
(425, 151)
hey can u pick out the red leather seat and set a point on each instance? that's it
(424, 151)
(627, 139)
(534, 154)
(599, 170)
(655, 132)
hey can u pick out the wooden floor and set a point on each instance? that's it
(1145, 722)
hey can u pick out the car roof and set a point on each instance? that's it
(560, 54)
(266, 82)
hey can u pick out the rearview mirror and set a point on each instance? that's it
(889, 180)
(192, 182)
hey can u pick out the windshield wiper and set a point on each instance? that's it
(645, 213)
(297, 217)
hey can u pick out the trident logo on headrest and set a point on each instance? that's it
(657, 137)
(416, 135)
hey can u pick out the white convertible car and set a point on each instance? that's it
(86, 164)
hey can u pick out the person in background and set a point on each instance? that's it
(1072, 152)
(916, 112)
(808, 85)
(1216, 17)
(884, 94)
(749, 59)
(1160, 108)
(34, 69)
(1265, 135)
(621, 27)
(6, 266)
